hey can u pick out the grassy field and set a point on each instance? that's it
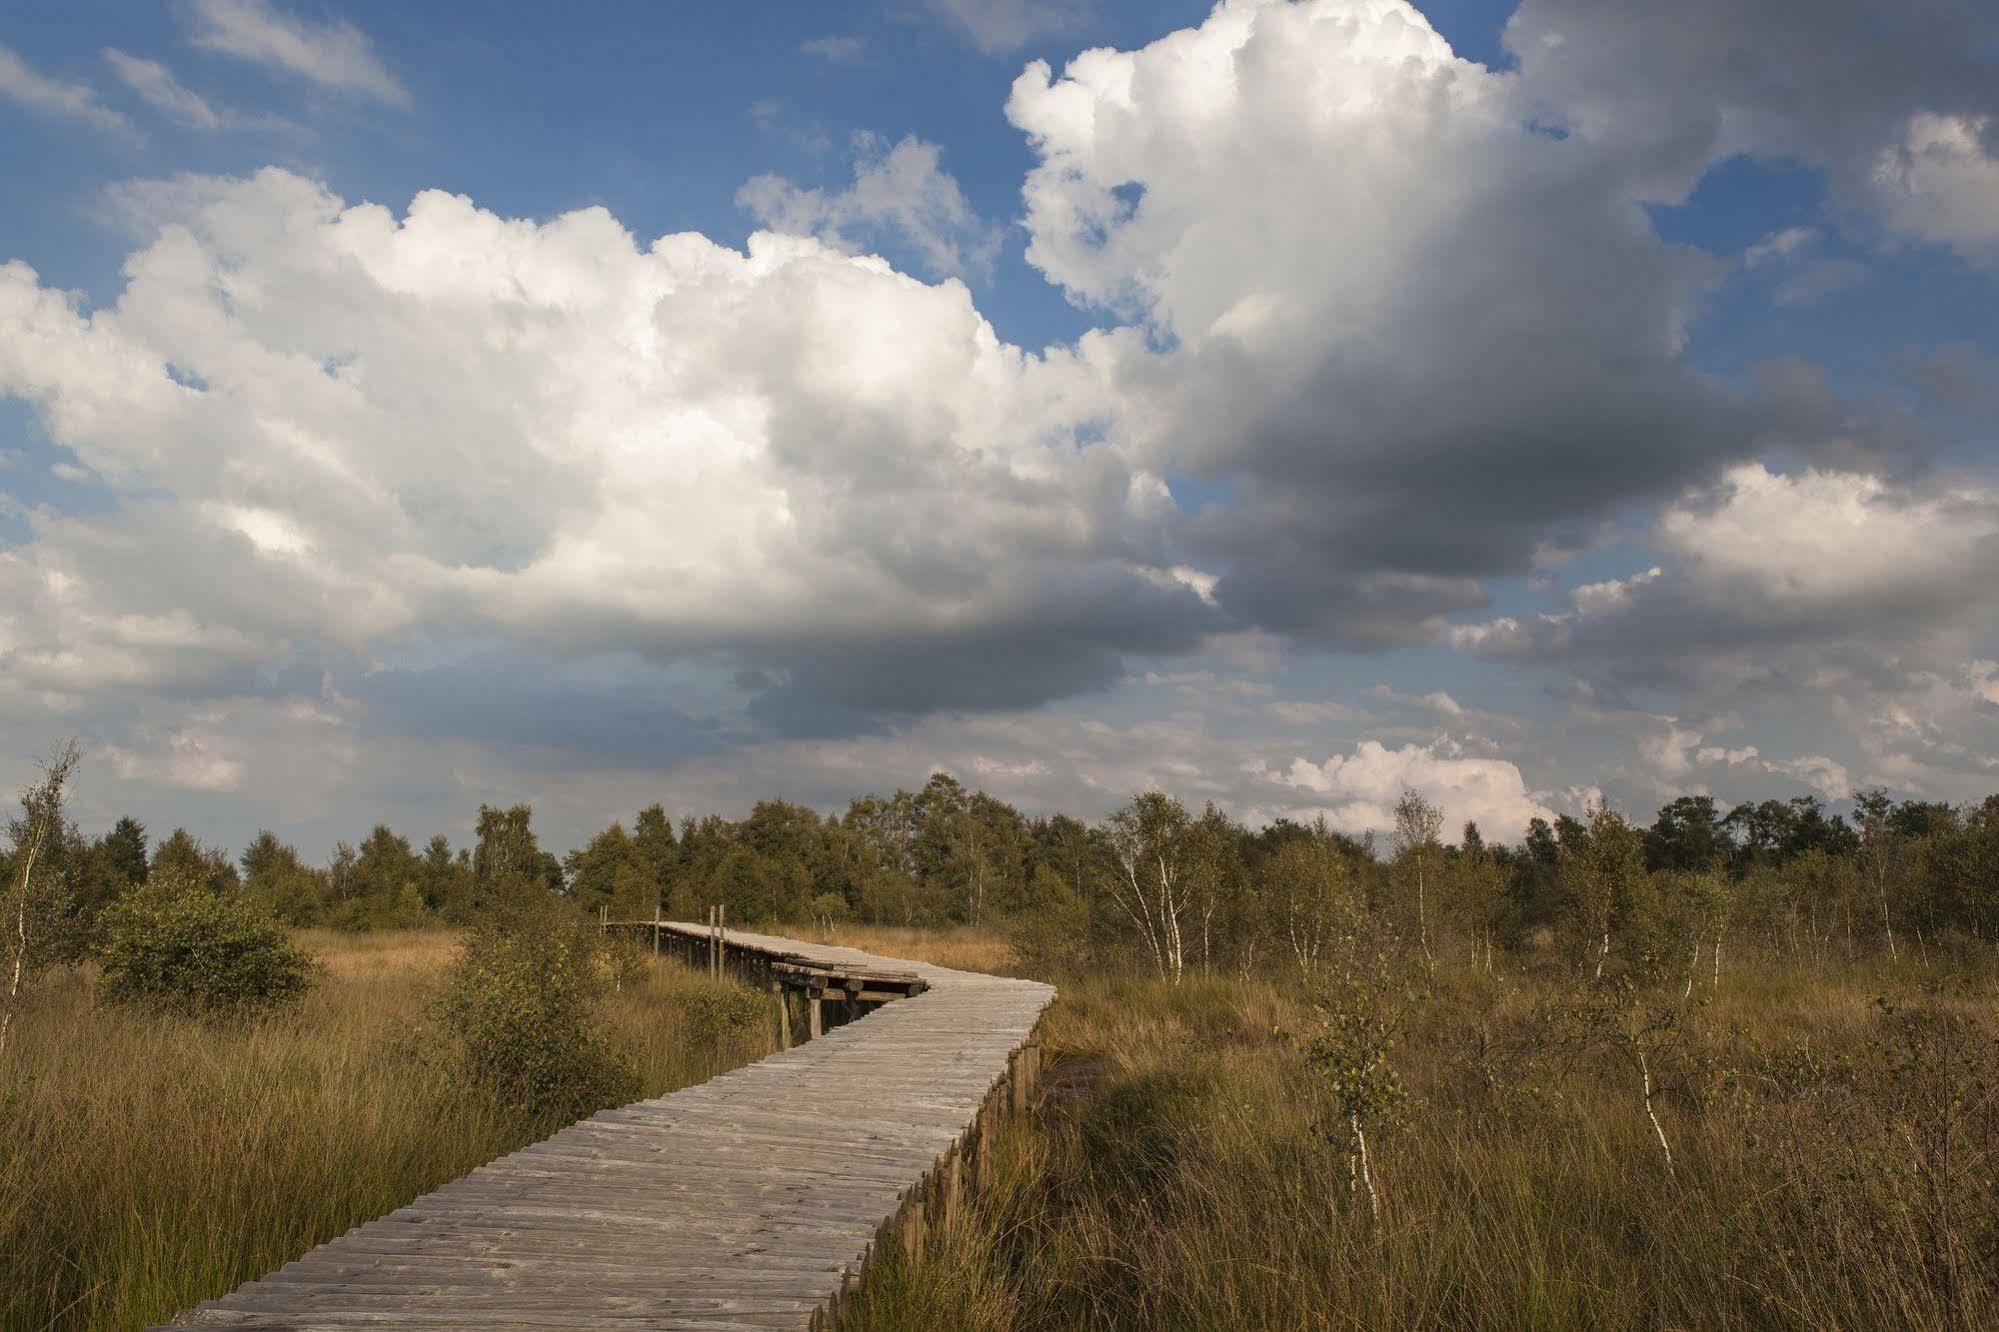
(1833, 1166)
(148, 1162)
(1831, 1130)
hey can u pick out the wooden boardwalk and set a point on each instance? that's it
(751, 1201)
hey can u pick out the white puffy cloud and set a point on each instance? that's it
(1940, 184)
(1851, 611)
(1845, 561)
(1819, 538)
(1824, 775)
(1357, 792)
(334, 428)
(23, 85)
(900, 191)
(1670, 749)
(1415, 333)
(334, 55)
(1677, 760)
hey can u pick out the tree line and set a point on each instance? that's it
(1154, 883)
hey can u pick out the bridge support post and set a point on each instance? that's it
(783, 1014)
(914, 1227)
(817, 1026)
(950, 1182)
(982, 1146)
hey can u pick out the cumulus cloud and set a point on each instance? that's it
(1825, 776)
(1940, 184)
(901, 191)
(333, 427)
(1891, 100)
(1678, 761)
(1357, 792)
(1767, 559)
(1795, 538)
(1416, 334)
(335, 55)
(21, 84)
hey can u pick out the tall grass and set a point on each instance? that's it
(1178, 1176)
(965, 947)
(150, 1161)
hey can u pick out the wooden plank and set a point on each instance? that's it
(751, 1201)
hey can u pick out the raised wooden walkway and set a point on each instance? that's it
(751, 1201)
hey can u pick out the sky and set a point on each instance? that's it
(1282, 403)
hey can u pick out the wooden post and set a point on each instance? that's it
(1026, 1067)
(982, 1145)
(721, 937)
(656, 931)
(817, 1025)
(913, 1224)
(783, 1015)
(603, 916)
(950, 1182)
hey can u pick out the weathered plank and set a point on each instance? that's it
(750, 1201)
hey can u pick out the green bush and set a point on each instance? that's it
(518, 1002)
(176, 942)
(711, 1016)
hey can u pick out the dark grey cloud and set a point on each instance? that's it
(1083, 625)
(1672, 88)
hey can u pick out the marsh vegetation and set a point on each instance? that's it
(1731, 1069)
(153, 1157)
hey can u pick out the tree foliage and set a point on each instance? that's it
(518, 1006)
(176, 942)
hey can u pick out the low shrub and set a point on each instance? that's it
(712, 1016)
(176, 942)
(518, 1002)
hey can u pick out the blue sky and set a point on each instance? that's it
(1526, 404)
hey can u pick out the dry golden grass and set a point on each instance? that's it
(1179, 1178)
(150, 1161)
(962, 946)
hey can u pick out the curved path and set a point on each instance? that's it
(751, 1201)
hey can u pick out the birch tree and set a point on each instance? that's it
(1150, 842)
(1313, 899)
(1417, 853)
(34, 834)
(1478, 889)
(1877, 854)
(1600, 873)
